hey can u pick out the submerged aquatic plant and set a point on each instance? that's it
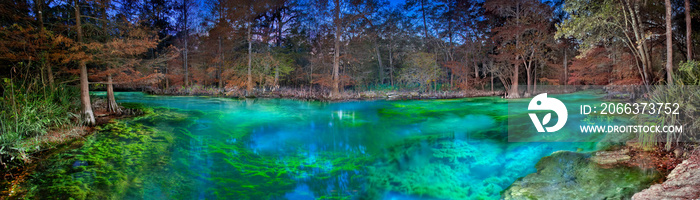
(109, 164)
(134, 158)
(210, 148)
(449, 170)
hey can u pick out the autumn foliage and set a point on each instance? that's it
(596, 67)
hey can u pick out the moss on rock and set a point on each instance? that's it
(570, 175)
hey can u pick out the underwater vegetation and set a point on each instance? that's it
(110, 164)
(449, 168)
(212, 148)
(157, 156)
(570, 175)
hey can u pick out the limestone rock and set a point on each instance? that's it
(571, 175)
(611, 157)
(682, 183)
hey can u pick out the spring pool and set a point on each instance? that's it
(220, 148)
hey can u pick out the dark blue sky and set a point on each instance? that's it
(395, 2)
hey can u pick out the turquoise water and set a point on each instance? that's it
(220, 148)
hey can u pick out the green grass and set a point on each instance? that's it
(29, 109)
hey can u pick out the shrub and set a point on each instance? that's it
(688, 100)
(28, 110)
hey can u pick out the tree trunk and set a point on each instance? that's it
(476, 65)
(41, 75)
(466, 76)
(514, 85)
(566, 69)
(277, 75)
(638, 45)
(279, 44)
(263, 80)
(185, 12)
(111, 102)
(275, 83)
(221, 67)
(466, 70)
(336, 55)
(249, 83)
(542, 65)
(688, 31)
(669, 44)
(516, 73)
(88, 115)
(528, 71)
(491, 70)
(391, 62)
(49, 72)
(381, 67)
(279, 29)
(528, 75)
(184, 57)
(476, 69)
(646, 59)
(311, 76)
(450, 34)
(534, 81)
(167, 80)
(434, 85)
(635, 45)
(39, 13)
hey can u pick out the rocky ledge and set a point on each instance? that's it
(611, 157)
(682, 183)
(571, 175)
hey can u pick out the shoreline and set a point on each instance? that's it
(102, 118)
(324, 96)
(61, 140)
(624, 92)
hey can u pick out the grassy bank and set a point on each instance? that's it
(38, 120)
(30, 110)
(34, 117)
